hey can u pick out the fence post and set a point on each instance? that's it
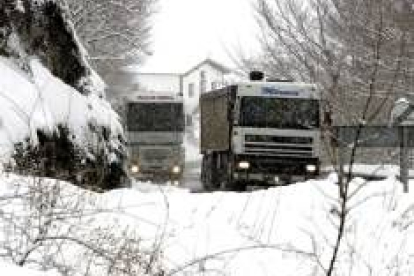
(403, 136)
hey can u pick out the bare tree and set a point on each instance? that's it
(357, 51)
(114, 32)
(350, 48)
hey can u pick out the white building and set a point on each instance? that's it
(205, 76)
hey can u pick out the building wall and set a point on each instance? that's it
(156, 82)
(213, 79)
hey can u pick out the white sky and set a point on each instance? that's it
(187, 31)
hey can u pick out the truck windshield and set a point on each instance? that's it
(155, 117)
(290, 113)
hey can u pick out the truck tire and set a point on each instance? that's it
(228, 182)
(209, 177)
(226, 178)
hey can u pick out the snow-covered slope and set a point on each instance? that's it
(279, 231)
(42, 101)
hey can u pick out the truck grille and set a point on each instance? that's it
(278, 164)
(279, 145)
(278, 139)
(155, 155)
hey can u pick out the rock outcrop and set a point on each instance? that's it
(40, 30)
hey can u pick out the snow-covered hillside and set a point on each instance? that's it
(43, 102)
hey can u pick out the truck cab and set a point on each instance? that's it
(260, 133)
(155, 132)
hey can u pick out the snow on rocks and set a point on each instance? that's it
(43, 102)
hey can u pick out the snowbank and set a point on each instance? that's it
(9, 269)
(279, 231)
(283, 231)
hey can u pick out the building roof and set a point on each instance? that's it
(173, 67)
(215, 64)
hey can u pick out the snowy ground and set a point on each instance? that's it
(279, 231)
(9, 269)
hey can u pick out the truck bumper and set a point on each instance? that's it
(157, 176)
(270, 170)
(268, 179)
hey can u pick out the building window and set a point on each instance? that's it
(203, 82)
(214, 85)
(191, 90)
(188, 120)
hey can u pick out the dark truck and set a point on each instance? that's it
(259, 133)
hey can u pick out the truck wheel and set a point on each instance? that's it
(229, 183)
(209, 173)
(205, 174)
(227, 173)
(237, 185)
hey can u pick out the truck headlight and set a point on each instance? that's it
(310, 168)
(176, 169)
(134, 168)
(244, 165)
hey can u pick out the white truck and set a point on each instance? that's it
(155, 133)
(259, 133)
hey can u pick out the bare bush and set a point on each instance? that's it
(54, 227)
